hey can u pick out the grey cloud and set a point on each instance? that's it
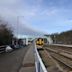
(23, 29)
(10, 9)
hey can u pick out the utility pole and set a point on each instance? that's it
(17, 30)
(18, 25)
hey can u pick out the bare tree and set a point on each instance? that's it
(6, 34)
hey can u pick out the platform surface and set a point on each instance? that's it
(28, 64)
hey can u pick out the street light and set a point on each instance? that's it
(18, 24)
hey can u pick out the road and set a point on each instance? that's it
(11, 62)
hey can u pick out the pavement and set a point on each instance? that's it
(28, 64)
(11, 62)
(19, 60)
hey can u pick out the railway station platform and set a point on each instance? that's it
(28, 64)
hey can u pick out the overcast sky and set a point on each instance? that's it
(38, 16)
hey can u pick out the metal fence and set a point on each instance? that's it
(2, 49)
(40, 67)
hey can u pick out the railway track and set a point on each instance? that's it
(62, 55)
(48, 61)
(60, 48)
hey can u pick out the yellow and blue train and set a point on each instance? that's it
(41, 41)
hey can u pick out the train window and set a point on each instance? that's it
(38, 39)
(42, 39)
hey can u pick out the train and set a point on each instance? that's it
(40, 41)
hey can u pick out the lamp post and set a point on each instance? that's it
(18, 25)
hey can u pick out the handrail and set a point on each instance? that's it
(3, 46)
(40, 67)
(2, 49)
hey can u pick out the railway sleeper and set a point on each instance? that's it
(61, 53)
